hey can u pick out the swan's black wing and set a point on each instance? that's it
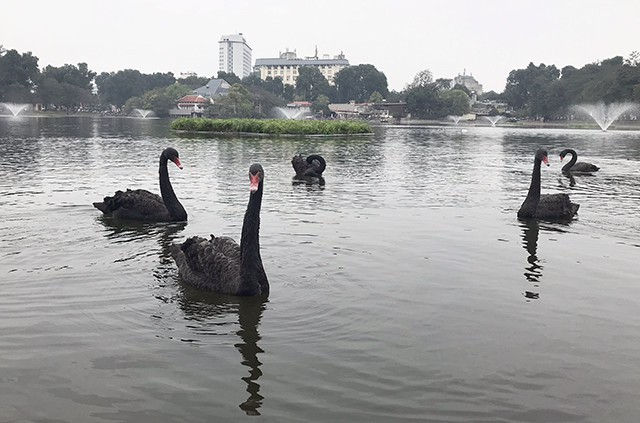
(212, 264)
(556, 206)
(584, 167)
(136, 204)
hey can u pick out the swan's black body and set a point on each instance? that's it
(572, 166)
(219, 264)
(143, 205)
(309, 169)
(548, 206)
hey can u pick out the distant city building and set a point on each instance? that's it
(287, 65)
(468, 81)
(213, 89)
(235, 55)
(187, 74)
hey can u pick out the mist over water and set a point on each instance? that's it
(405, 289)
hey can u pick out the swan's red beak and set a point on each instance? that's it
(177, 162)
(545, 159)
(255, 182)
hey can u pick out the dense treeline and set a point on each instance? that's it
(429, 99)
(541, 92)
(546, 92)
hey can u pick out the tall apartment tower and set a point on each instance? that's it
(235, 55)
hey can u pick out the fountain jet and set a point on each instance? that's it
(605, 114)
(454, 118)
(292, 112)
(15, 109)
(493, 119)
(143, 113)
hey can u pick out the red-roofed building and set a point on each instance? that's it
(191, 105)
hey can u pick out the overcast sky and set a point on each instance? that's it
(487, 38)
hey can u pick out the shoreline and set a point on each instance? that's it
(404, 123)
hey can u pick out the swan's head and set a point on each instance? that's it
(256, 175)
(564, 153)
(542, 156)
(172, 154)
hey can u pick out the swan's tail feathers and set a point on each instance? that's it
(317, 162)
(100, 206)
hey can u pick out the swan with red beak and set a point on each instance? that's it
(256, 175)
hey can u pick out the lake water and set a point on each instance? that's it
(404, 290)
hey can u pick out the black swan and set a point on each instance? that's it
(145, 206)
(572, 166)
(548, 206)
(309, 169)
(220, 264)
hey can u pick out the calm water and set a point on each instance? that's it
(405, 290)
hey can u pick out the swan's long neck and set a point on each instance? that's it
(169, 198)
(533, 197)
(574, 159)
(253, 276)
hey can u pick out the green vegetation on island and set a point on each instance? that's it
(272, 126)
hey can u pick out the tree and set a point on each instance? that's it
(116, 87)
(422, 79)
(490, 96)
(311, 83)
(67, 86)
(525, 86)
(445, 84)
(274, 85)
(159, 100)
(193, 81)
(357, 83)
(288, 92)
(461, 87)
(321, 105)
(424, 101)
(237, 103)
(632, 60)
(455, 102)
(19, 74)
(230, 77)
(376, 97)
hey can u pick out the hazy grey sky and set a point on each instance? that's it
(488, 38)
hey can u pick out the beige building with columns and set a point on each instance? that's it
(286, 66)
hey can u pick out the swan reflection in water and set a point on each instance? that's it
(533, 270)
(208, 308)
(569, 176)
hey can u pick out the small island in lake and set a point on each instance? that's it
(272, 126)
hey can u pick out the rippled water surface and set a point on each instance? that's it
(405, 290)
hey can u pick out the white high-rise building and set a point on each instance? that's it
(235, 55)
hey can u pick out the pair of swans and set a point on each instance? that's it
(552, 206)
(218, 264)
(547, 206)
